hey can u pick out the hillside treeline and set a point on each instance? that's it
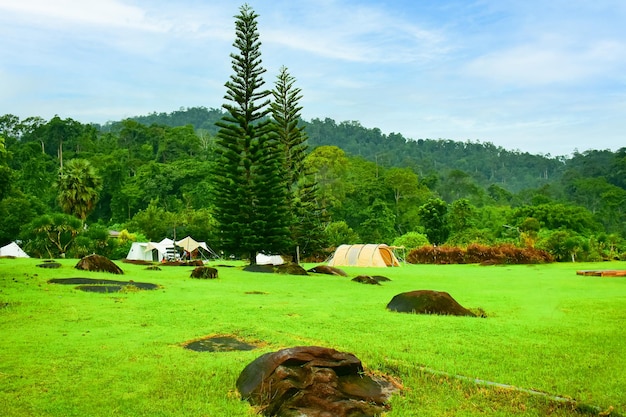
(154, 180)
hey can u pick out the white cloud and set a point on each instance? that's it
(102, 13)
(549, 62)
(355, 33)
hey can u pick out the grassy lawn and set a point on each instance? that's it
(65, 352)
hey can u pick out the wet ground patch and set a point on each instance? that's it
(49, 264)
(218, 344)
(104, 285)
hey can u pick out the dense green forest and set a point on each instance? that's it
(153, 177)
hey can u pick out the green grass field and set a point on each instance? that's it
(65, 352)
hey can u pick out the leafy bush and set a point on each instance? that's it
(94, 239)
(411, 240)
(339, 233)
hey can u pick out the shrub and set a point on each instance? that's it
(411, 240)
(477, 253)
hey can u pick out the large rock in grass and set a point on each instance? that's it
(428, 302)
(328, 270)
(365, 279)
(291, 268)
(313, 381)
(204, 272)
(98, 263)
(287, 268)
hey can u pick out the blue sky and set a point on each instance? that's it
(545, 77)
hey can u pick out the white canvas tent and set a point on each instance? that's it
(262, 259)
(379, 255)
(146, 251)
(13, 249)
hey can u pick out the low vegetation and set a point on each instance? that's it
(67, 352)
(476, 253)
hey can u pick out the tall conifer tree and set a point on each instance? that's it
(306, 216)
(251, 194)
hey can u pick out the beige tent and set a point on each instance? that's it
(364, 255)
(189, 244)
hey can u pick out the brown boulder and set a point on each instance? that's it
(313, 381)
(328, 270)
(98, 263)
(291, 268)
(380, 278)
(365, 279)
(204, 272)
(428, 302)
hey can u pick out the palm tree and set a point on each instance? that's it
(79, 186)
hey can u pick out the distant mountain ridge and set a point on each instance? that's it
(483, 161)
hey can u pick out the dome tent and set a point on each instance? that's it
(379, 255)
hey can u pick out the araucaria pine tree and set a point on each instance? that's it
(306, 216)
(250, 181)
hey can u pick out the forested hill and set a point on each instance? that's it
(486, 163)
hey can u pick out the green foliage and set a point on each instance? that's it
(329, 164)
(408, 193)
(6, 173)
(200, 224)
(458, 184)
(94, 239)
(78, 186)
(306, 226)
(461, 216)
(555, 216)
(339, 233)
(250, 188)
(433, 219)
(411, 240)
(17, 210)
(378, 224)
(564, 245)
(50, 236)
(499, 195)
(154, 222)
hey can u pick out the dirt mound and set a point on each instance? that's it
(290, 269)
(98, 263)
(313, 381)
(204, 272)
(428, 302)
(380, 278)
(328, 270)
(365, 279)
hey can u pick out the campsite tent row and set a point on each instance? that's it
(165, 249)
